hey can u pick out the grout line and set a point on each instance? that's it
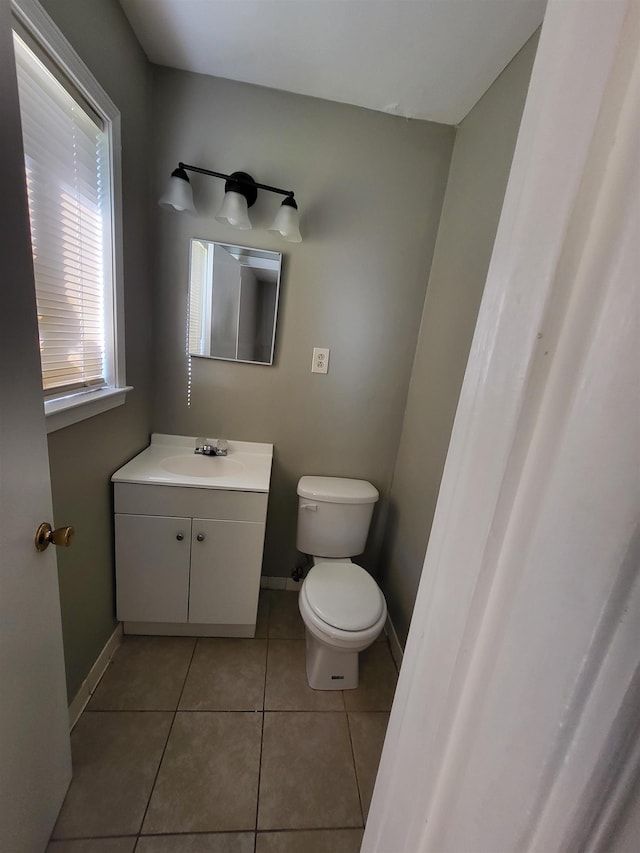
(288, 639)
(255, 838)
(355, 770)
(289, 829)
(203, 832)
(91, 838)
(241, 711)
(264, 696)
(175, 713)
(207, 832)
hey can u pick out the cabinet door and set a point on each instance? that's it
(226, 558)
(152, 568)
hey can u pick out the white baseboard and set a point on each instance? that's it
(96, 672)
(394, 642)
(267, 582)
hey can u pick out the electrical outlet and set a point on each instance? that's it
(320, 361)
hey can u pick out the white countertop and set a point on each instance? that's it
(170, 461)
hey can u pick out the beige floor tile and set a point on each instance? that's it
(208, 781)
(310, 841)
(115, 760)
(285, 622)
(217, 842)
(307, 778)
(367, 736)
(226, 675)
(262, 619)
(93, 845)
(146, 674)
(377, 682)
(287, 688)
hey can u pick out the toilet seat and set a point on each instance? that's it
(343, 596)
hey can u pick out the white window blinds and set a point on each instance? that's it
(67, 162)
(197, 296)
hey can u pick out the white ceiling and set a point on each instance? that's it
(426, 59)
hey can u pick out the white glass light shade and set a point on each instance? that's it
(178, 195)
(234, 211)
(287, 222)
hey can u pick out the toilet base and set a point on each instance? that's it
(328, 668)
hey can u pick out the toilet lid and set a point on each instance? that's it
(343, 595)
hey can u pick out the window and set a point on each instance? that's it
(70, 133)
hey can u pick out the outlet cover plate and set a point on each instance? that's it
(320, 361)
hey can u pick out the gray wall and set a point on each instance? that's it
(83, 456)
(370, 190)
(356, 285)
(480, 166)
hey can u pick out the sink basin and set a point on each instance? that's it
(202, 466)
(170, 461)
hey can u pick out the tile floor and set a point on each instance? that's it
(219, 746)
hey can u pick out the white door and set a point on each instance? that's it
(515, 722)
(35, 762)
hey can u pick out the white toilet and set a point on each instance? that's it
(342, 606)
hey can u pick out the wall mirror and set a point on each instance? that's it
(233, 302)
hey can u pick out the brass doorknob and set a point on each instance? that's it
(46, 535)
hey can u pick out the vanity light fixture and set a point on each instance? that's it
(240, 193)
(287, 221)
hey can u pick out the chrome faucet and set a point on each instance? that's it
(207, 447)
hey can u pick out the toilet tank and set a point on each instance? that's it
(334, 514)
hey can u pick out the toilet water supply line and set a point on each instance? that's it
(300, 571)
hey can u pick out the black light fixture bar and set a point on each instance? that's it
(236, 178)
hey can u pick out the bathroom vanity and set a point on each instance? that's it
(189, 533)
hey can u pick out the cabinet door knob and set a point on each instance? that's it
(180, 537)
(200, 537)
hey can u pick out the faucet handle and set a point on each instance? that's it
(203, 446)
(211, 447)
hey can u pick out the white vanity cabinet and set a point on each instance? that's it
(188, 560)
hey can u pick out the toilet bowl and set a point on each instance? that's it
(341, 605)
(344, 611)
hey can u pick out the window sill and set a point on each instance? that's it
(65, 411)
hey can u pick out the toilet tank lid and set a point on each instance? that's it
(337, 490)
